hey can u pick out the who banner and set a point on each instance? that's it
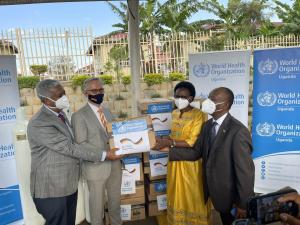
(10, 204)
(276, 119)
(223, 69)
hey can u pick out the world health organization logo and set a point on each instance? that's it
(265, 129)
(268, 67)
(266, 98)
(201, 70)
(154, 108)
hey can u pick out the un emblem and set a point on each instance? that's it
(268, 67)
(201, 70)
(266, 98)
(265, 129)
(154, 108)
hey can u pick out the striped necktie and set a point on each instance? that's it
(102, 117)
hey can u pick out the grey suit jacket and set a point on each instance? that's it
(90, 134)
(228, 169)
(55, 156)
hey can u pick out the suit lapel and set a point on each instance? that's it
(224, 128)
(93, 119)
(55, 120)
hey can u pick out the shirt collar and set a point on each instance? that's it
(221, 119)
(55, 113)
(94, 107)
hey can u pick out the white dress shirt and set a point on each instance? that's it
(95, 110)
(219, 122)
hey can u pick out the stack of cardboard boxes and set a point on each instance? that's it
(155, 163)
(132, 137)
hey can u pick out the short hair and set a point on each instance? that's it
(229, 94)
(44, 88)
(186, 85)
(87, 81)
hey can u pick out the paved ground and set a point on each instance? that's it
(152, 221)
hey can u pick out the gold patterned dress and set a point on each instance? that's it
(186, 204)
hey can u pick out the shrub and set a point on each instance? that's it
(107, 79)
(156, 95)
(176, 76)
(78, 80)
(126, 79)
(38, 69)
(28, 82)
(153, 78)
(122, 115)
(120, 97)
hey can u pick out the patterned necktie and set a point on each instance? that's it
(61, 116)
(213, 132)
(102, 117)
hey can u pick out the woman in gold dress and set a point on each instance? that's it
(185, 197)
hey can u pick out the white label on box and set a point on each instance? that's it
(128, 185)
(161, 202)
(133, 142)
(132, 168)
(161, 121)
(126, 212)
(158, 164)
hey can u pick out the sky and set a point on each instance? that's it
(97, 15)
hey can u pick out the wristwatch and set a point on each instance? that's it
(173, 144)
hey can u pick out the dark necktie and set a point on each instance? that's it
(61, 116)
(213, 132)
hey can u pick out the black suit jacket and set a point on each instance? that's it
(228, 169)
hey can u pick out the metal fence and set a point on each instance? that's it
(72, 51)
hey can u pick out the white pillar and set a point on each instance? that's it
(134, 52)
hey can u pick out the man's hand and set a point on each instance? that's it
(240, 213)
(111, 154)
(166, 149)
(162, 143)
(288, 219)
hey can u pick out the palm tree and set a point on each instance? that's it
(240, 19)
(122, 14)
(290, 16)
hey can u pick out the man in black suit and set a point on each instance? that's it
(224, 145)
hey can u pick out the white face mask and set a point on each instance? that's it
(181, 103)
(61, 103)
(209, 107)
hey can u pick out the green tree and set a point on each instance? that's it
(118, 54)
(290, 16)
(240, 19)
(38, 69)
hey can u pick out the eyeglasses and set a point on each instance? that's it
(96, 91)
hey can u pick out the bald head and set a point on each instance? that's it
(222, 94)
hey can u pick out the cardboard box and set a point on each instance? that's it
(143, 104)
(160, 111)
(140, 192)
(132, 167)
(155, 188)
(138, 212)
(152, 209)
(133, 201)
(132, 136)
(147, 171)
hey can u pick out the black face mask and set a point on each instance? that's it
(97, 99)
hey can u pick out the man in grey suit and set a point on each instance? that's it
(225, 147)
(55, 157)
(89, 124)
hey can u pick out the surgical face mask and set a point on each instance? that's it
(97, 99)
(61, 103)
(181, 103)
(209, 107)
